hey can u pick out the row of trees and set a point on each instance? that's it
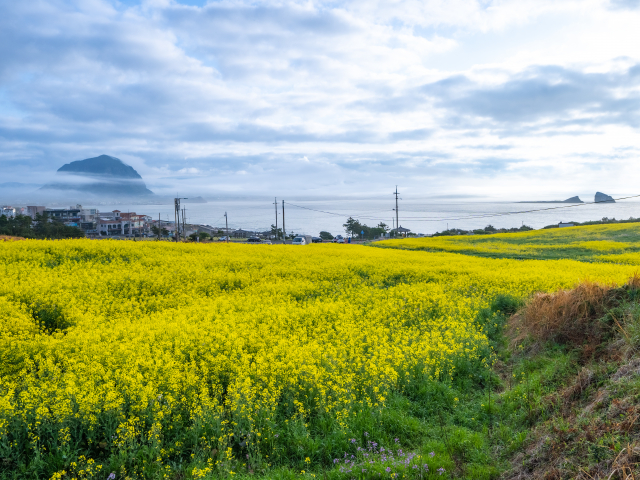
(42, 227)
(488, 230)
(354, 228)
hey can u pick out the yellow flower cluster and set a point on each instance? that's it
(191, 347)
(616, 243)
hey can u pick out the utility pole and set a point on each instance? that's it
(396, 194)
(159, 226)
(275, 204)
(226, 221)
(176, 205)
(184, 230)
(284, 232)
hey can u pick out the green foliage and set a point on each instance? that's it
(18, 226)
(488, 230)
(276, 231)
(43, 227)
(604, 221)
(49, 318)
(355, 228)
(326, 235)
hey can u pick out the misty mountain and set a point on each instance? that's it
(103, 176)
(18, 185)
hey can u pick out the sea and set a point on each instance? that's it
(420, 215)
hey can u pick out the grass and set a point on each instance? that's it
(584, 243)
(558, 397)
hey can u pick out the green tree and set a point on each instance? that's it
(277, 232)
(326, 235)
(352, 226)
(18, 226)
(48, 228)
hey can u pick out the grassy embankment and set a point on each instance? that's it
(566, 372)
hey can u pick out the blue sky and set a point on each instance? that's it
(503, 99)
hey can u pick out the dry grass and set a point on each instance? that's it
(7, 238)
(570, 317)
(594, 430)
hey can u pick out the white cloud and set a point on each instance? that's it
(373, 92)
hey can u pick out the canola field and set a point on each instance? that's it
(157, 360)
(614, 243)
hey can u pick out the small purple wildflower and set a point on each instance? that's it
(366, 434)
(335, 460)
(388, 469)
(426, 467)
(396, 440)
(277, 435)
(441, 471)
(432, 454)
(353, 440)
(112, 476)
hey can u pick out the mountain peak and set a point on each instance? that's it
(104, 165)
(104, 175)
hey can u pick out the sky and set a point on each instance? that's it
(507, 100)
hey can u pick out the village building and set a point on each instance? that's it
(34, 210)
(117, 223)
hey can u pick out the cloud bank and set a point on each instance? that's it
(497, 98)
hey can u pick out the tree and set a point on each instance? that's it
(326, 235)
(276, 232)
(48, 228)
(352, 226)
(18, 226)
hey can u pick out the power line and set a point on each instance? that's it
(488, 215)
(467, 217)
(334, 213)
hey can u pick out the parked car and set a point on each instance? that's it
(223, 239)
(258, 240)
(316, 239)
(338, 239)
(302, 240)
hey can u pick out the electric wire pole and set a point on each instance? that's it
(176, 205)
(275, 204)
(284, 232)
(226, 221)
(184, 230)
(397, 224)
